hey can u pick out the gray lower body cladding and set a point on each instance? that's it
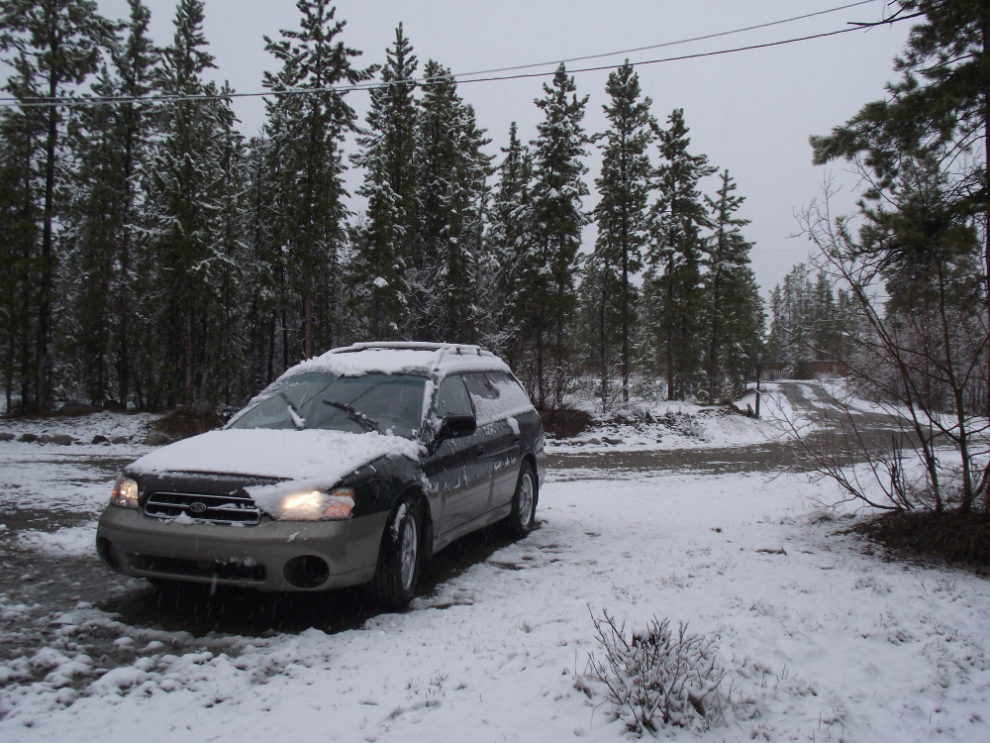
(270, 556)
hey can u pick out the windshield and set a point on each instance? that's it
(375, 402)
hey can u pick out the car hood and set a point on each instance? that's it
(310, 455)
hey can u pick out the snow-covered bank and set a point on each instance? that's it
(666, 426)
(819, 640)
(83, 428)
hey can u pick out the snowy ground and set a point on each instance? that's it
(820, 639)
(673, 425)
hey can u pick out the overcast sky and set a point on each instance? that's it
(750, 112)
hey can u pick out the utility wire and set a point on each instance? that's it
(666, 44)
(424, 82)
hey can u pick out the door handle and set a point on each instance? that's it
(479, 452)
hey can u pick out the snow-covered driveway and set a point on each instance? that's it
(820, 640)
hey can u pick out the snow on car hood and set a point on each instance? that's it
(310, 455)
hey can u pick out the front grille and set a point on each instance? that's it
(211, 509)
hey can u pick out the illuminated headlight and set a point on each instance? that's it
(125, 493)
(317, 506)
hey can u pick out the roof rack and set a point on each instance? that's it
(460, 349)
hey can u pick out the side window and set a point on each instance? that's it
(452, 399)
(510, 393)
(480, 388)
(496, 395)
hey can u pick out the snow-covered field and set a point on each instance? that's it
(820, 639)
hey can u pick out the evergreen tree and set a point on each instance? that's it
(598, 322)
(312, 129)
(184, 202)
(59, 42)
(137, 69)
(676, 221)
(557, 222)
(743, 326)
(726, 255)
(810, 322)
(509, 240)
(451, 175)
(925, 151)
(112, 154)
(262, 265)
(22, 134)
(385, 246)
(624, 186)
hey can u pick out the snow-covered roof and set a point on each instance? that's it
(438, 359)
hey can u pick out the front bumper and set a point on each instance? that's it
(271, 556)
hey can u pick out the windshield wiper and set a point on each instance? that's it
(297, 420)
(368, 424)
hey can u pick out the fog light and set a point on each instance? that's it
(107, 551)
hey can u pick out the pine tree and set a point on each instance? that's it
(61, 41)
(676, 221)
(22, 133)
(624, 186)
(557, 222)
(184, 205)
(451, 175)
(925, 151)
(743, 326)
(112, 154)
(262, 264)
(809, 323)
(310, 135)
(385, 246)
(726, 255)
(137, 69)
(509, 240)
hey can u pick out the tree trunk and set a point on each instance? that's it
(123, 352)
(44, 299)
(539, 369)
(712, 363)
(601, 344)
(188, 387)
(986, 218)
(308, 324)
(625, 312)
(670, 328)
(271, 349)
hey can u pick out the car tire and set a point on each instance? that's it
(399, 557)
(523, 517)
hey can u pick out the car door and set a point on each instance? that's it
(500, 449)
(456, 468)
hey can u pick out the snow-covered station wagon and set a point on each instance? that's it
(354, 467)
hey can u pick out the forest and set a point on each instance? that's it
(153, 256)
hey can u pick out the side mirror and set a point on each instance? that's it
(456, 426)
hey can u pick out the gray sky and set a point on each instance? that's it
(750, 112)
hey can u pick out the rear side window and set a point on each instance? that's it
(452, 399)
(496, 394)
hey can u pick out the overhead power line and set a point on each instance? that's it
(666, 43)
(85, 101)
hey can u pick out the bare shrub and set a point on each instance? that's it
(657, 677)
(924, 364)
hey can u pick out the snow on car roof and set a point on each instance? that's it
(440, 359)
